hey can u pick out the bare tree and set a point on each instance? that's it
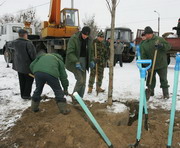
(7, 18)
(29, 16)
(112, 4)
(26, 16)
(90, 21)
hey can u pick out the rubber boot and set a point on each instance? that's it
(63, 108)
(100, 90)
(35, 106)
(90, 90)
(152, 92)
(165, 93)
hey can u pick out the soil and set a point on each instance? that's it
(49, 129)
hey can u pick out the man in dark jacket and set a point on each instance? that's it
(49, 68)
(177, 28)
(148, 48)
(80, 57)
(24, 53)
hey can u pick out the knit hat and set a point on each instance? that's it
(86, 30)
(100, 34)
(148, 30)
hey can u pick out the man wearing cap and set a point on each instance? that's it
(101, 57)
(148, 48)
(177, 28)
(80, 57)
(23, 54)
(118, 50)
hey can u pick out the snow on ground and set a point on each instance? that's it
(126, 87)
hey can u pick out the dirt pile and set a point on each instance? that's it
(49, 129)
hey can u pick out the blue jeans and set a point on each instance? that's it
(41, 79)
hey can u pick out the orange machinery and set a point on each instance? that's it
(62, 23)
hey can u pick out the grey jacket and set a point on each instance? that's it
(119, 48)
(23, 52)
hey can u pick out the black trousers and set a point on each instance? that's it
(41, 79)
(25, 82)
(118, 57)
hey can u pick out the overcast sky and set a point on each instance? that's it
(133, 14)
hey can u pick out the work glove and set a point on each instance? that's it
(159, 46)
(79, 67)
(92, 64)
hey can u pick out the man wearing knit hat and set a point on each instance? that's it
(101, 57)
(148, 48)
(80, 57)
(177, 28)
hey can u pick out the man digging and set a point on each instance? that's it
(48, 69)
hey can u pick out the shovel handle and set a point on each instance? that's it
(177, 66)
(132, 45)
(144, 62)
(138, 51)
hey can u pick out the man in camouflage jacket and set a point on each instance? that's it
(101, 59)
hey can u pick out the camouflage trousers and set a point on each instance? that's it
(100, 72)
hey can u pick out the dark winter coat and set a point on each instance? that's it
(148, 50)
(73, 51)
(178, 29)
(24, 53)
(51, 64)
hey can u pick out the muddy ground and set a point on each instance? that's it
(49, 129)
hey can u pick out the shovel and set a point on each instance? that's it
(173, 106)
(142, 102)
(97, 87)
(148, 90)
(138, 52)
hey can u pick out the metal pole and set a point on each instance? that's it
(72, 4)
(158, 25)
(158, 21)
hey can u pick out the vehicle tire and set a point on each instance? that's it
(7, 55)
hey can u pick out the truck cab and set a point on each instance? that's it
(9, 32)
(126, 37)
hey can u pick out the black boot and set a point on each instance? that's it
(35, 106)
(165, 93)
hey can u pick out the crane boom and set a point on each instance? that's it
(54, 12)
(62, 23)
